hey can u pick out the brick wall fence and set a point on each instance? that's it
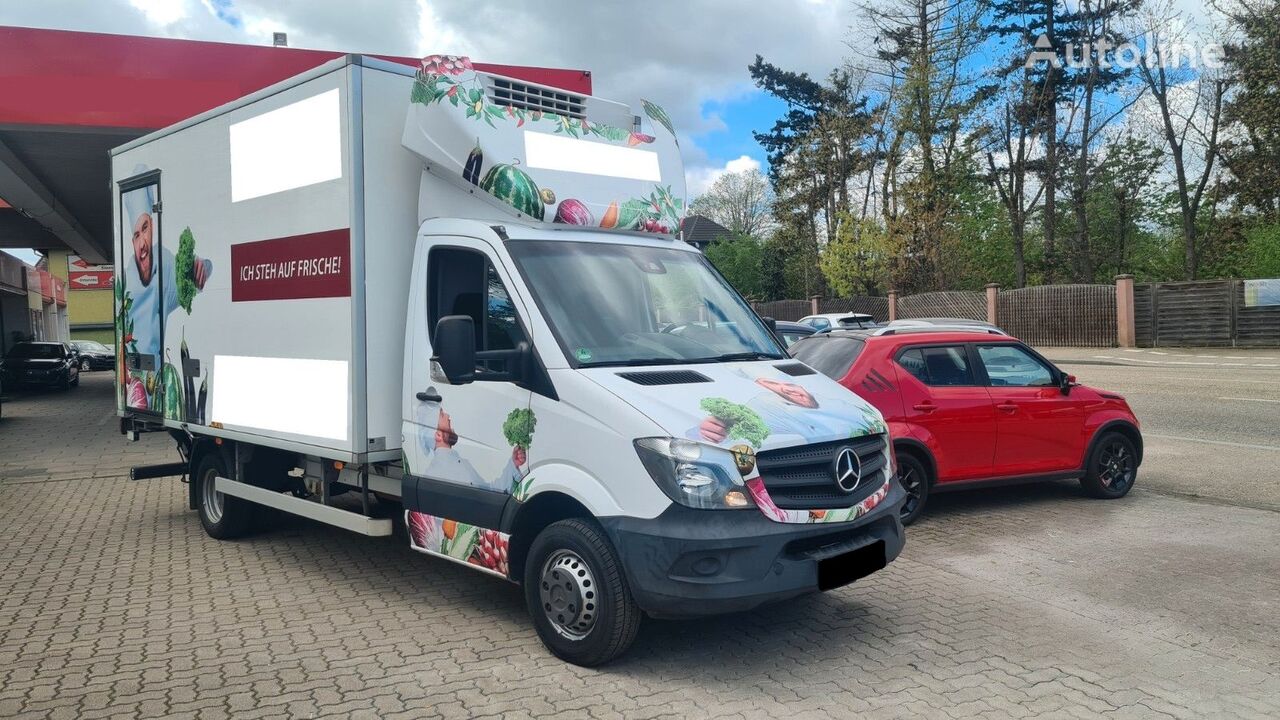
(1188, 314)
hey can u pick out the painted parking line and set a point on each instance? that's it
(1213, 379)
(1183, 362)
(1250, 399)
(1213, 442)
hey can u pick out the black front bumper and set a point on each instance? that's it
(686, 562)
(20, 379)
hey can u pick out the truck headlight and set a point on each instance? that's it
(693, 474)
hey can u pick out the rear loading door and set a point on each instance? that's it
(145, 292)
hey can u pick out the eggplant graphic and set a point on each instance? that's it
(188, 383)
(204, 390)
(471, 171)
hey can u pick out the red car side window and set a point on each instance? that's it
(938, 366)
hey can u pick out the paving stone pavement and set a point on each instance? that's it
(1018, 603)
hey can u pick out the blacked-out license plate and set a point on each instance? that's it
(853, 565)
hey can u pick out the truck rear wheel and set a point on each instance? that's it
(223, 516)
(578, 595)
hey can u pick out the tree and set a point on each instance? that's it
(741, 201)
(1094, 28)
(1252, 150)
(856, 262)
(1033, 27)
(822, 142)
(931, 45)
(1190, 107)
(1010, 135)
(1123, 201)
(741, 260)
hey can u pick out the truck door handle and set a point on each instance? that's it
(925, 407)
(1007, 407)
(428, 397)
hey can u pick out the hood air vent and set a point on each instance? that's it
(796, 369)
(665, 377)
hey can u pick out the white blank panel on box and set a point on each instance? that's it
(291, 395)
(290, 147)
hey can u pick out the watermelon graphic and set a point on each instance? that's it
(172, 384)
(514, 187)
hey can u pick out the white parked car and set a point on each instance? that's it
(828, 321)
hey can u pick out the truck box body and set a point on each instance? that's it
(304, 206)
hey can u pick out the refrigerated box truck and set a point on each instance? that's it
(462, 296)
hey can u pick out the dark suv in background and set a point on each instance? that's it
(46, 364)
(94, 355)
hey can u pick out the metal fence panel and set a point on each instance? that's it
(876, 307)
(1143, 317)
(1256, 326)
(945, 304)
(1194, 314)
(1060, 315)
(790, 310)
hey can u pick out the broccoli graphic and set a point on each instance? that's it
(742, 422)
(518, 428)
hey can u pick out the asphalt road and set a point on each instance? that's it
(1210, 418)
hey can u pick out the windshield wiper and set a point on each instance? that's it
(730, 357)
(640, 362)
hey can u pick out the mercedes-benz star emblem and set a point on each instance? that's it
(848, 470)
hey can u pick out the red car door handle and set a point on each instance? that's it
(925, 407)
(1007, 407)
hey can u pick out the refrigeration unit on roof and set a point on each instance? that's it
(545, 154)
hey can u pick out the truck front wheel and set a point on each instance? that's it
(578, 595)
(223, 516)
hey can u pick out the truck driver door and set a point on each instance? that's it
(141, 295)
(465, 444)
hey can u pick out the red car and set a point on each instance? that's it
(966, 407)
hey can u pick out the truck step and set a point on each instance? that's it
(147, 472)
(355, 522)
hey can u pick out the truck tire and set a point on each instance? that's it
(223, 516)
(577, 594)
(913, 475)
(1113, 467)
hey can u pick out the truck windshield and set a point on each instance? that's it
(612, 304)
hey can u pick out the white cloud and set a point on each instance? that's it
(699, 178)
(161, 12)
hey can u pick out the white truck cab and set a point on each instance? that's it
(477, 312)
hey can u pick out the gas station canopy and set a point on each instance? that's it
(67, 98)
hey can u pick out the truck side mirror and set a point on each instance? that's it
(455, 348)
(771, 324)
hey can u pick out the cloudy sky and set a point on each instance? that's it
(691, 57)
